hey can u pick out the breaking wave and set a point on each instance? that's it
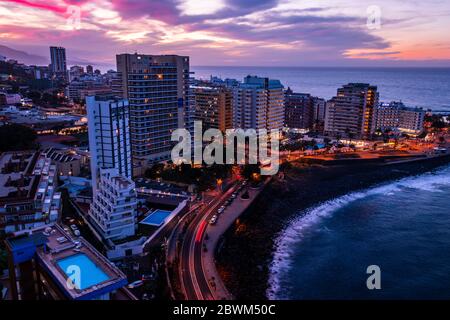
(297, 228)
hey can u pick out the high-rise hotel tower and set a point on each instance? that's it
(350, 112)
(157, 88)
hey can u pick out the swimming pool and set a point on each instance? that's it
(90, 273)
(156, 218)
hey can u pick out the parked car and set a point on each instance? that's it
(77, 233)
(135, 284)
(73, 227)
(213, 219)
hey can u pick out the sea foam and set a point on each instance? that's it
(297, 227)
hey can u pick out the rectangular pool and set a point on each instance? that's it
(90, 273)
(156, 218)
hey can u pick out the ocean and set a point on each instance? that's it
(428, 88)
(402, 226)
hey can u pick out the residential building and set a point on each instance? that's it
(299, 110)
(258, 103)
(77, 88)
(89, 69)
(320, 108)
(67, 163)
(113, 211)
(109, 135)
(350, 112)
(48, 264)
(75, 73)
(41, 72)
(13, 98)
(58, 62)
(213, 106)
(28, 197)
(397, 117)
(158, 91)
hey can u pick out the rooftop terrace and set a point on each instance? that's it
(64, 257)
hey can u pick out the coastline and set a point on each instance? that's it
(281, 201)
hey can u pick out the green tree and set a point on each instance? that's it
(17, 137)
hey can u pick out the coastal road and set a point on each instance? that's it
(194, 281)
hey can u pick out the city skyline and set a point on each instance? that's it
(306, 33)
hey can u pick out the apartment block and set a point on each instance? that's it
(28, 197)
(258, 104)
(299, 110)
(350, 112)
(113, 208)
(158, 90)
(213, 106)
(109, 134)
(58, 62)
(397, 117)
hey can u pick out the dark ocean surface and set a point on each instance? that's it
(403, 227)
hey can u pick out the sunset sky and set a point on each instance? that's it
(234, 32)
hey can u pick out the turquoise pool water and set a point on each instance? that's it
(89, 273)
(156, 218)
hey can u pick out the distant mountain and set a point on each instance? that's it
(22, 56)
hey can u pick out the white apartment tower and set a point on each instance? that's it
(109, 134)
(113, 210)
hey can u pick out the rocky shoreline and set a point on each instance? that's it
(246, 251)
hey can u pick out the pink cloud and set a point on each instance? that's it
(163, 10)
(39, 5)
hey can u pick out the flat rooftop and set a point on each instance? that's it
(61, 256)
(16, 174)
(161, 187)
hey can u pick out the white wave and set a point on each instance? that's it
(293, 233)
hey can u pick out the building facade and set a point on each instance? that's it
(114, 205)
(213, 107)
(258, 104)
(113, 209)
(109, 135)
(28, 197)
(299, 110)
(67, 163)
(350, 112)
(47, 263)
(158, 91)
(397, 117)
(58, 62)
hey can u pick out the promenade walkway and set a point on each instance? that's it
(215, 232)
